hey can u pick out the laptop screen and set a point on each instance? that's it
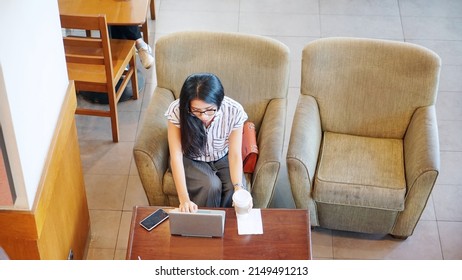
(203, 223)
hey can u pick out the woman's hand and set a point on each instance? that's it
(188, 207)
(238, 187)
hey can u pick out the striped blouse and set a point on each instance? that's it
(230, 116)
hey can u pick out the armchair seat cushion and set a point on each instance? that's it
(361, 171)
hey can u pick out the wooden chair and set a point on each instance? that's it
(97, 64)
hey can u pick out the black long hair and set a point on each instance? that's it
(208, 88)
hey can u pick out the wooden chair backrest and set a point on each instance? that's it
(88, 50)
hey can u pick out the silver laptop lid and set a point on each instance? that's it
(203, 223)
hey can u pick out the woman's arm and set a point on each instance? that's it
(235, 157)
(176, 158)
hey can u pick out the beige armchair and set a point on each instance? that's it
(363, 154)
(254, 71)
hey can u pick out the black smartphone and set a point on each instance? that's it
(154, 219)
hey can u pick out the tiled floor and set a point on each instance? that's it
(112, 182)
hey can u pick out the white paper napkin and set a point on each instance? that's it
(250, 223)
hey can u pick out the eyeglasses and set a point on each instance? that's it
(208, 113)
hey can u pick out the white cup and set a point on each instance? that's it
(242, 202)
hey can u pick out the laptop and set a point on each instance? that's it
(203, 223)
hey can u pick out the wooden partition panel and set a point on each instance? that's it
(59, 220)
(64, 219)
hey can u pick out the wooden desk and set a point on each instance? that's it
(127, 12)
(287, 235)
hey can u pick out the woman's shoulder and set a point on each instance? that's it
(232, 103)
(174, 105)
(173, 112)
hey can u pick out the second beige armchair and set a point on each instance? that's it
(254, 71)
(363, 153)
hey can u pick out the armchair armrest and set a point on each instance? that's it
(421, 145)
(151, 146)
(421, 162)
(270, 142)
(303, 151)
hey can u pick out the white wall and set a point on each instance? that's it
(33, 83)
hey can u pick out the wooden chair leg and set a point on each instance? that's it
(134, 78)
(153, 9)
(144, 29)
(113, 115)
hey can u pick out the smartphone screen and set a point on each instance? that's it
(154, 219)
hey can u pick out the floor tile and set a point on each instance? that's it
(147, 96)
(449, 51)
(448, 105)
(450, 168)
(92, 127)
(450, 135)
(378, 27)
(435, 28)
(132, 105)
(273, 24)
(321, 240)
(105, 157)
(99, 128)
(446, 199)
(128, 125)
(451, 239)
(450, 78)
(359, 7)
(135, 194)
(423, 244)
(120, 254)
(105, 192)
(280, 6)
(292, 100)
(434, 8)
(173, 21)
(124, 230)
(133, 167)
(282, 197)
(151, 26)
(104, 228)
(296, 45)
(150, 74)
(295, 78)
(221, 6)
(429, 212)
(100, 254)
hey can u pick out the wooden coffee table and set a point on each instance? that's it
(286, 235)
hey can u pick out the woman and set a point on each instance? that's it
(205, 139)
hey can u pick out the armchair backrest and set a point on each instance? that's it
(369, 87)
(253, 69)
